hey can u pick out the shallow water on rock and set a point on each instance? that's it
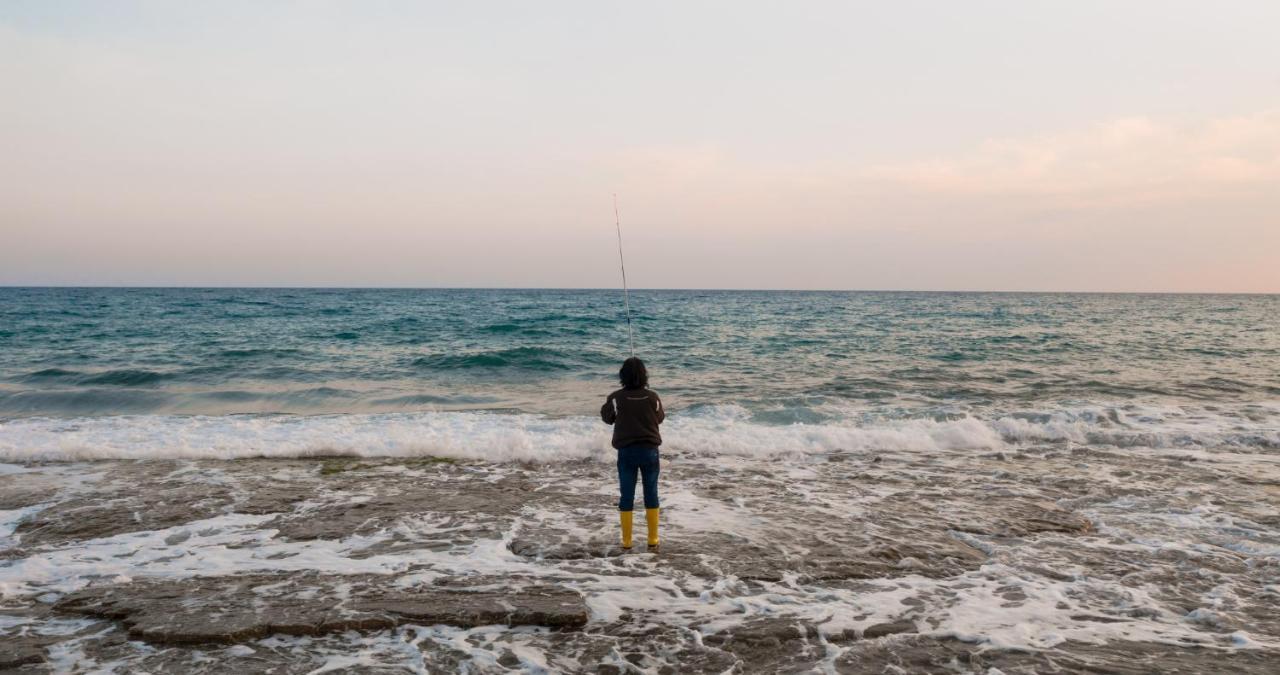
(1046, 558)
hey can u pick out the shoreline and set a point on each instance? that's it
(858, 560)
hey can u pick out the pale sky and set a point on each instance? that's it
(1020, 145)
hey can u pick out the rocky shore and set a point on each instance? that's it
(1053, 559)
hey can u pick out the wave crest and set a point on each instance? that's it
(518, 358)
(499, 437)
(124, 378)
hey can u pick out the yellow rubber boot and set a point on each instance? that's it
(651, 519)
(625, 518)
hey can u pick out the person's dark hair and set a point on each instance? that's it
(633, 374)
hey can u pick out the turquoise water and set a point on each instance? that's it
(761, 358)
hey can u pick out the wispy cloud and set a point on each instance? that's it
(1138, 156)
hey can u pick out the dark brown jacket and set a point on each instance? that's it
(635, 415)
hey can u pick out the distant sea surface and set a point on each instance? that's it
(519, 374)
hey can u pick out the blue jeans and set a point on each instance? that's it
(632, 459)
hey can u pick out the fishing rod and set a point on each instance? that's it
(626, 293)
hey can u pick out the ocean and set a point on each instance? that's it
(520, 373)
(326, 480)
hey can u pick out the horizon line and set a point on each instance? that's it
(608, 288)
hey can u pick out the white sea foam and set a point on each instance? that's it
(723, 430)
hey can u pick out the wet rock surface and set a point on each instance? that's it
(1043, 560)
(15, 494)
(911, 654)
(17, 652)
(158, 500)
(237, 609)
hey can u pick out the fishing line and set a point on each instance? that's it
(626, 293)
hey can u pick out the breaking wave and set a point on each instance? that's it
(518, 437)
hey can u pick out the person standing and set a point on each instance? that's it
(635, 411)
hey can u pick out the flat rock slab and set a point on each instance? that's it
(14, 494)
(532, 547)
(923, 654)
(890, 628)
(715, 556)
(1014, 517)
(155, 507)
(14, 654)
(228, 610)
